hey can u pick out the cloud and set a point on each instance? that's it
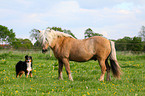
(114, 19)
(97, 4)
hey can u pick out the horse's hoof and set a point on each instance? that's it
(108, 79)
(101, 80)
(71, 79)
(60, 78)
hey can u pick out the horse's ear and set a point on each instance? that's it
(39, 31)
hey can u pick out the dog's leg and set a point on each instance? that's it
(17, 76)
(26, 75)
(30, 74)
(21, 73)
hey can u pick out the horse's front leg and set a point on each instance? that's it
(67, 67)
(60, 70)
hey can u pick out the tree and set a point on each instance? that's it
(37, 45)
(129, 44)
(123, 44)
(69, 32)
(27, 44)
(142, 33)
(34, 34)
(136, 44)
(6, 35)
(89, 33)
(22, 44)
(120, 45)
(65, 31)
(56, 29)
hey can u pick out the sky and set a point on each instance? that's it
(114, 19)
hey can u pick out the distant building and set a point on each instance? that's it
(5, 46)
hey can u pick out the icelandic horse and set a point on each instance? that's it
(66, 48)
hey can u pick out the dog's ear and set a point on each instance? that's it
(30, 57)
(26, 56)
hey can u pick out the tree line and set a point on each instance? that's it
(136, 43)
(125, 44)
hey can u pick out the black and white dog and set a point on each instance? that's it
(24, 67)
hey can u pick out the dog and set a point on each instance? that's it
(24, 67)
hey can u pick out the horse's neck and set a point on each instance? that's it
(56, 46)
(56, 43)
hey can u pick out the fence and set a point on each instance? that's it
(133, 47)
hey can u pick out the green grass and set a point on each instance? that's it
(85, 75)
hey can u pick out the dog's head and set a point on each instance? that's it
(28, 60)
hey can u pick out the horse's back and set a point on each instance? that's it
(98, 46)
(102, 46)
(99, 39)
(86, 49)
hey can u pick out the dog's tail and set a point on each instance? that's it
(113, 61)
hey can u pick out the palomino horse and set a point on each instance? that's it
(67, 48)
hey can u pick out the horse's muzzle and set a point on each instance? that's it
(44, 50)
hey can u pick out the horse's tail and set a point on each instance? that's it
(113, 61)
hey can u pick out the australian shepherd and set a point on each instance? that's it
(24, 67)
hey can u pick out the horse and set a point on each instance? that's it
(66, 48)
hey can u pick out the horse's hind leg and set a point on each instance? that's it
(103, 69)
(60, 70)
(67, 67)
(108, 70)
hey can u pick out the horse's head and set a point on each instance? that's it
(48, 36)
(45, 48)
(43, 39)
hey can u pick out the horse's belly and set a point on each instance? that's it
(80, 58)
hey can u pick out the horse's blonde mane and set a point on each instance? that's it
(48, 35)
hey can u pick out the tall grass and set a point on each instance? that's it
(85, 75)
(127, 55)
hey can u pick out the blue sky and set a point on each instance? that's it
(112, 18)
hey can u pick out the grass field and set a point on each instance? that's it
(85, 75)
